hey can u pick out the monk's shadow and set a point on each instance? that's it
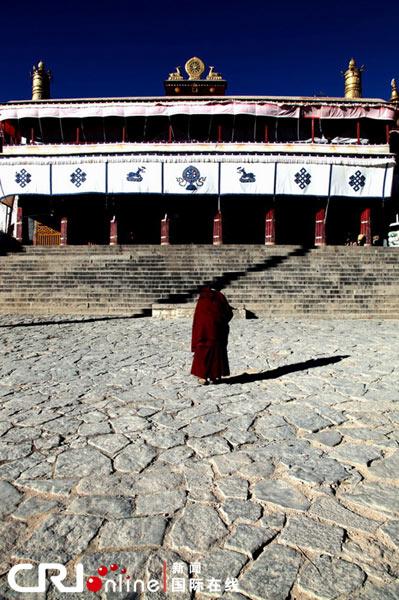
(280, 371)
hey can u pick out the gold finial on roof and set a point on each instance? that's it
(394, 91)
(40, 82)
(353, 80)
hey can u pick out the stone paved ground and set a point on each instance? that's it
(286, 479)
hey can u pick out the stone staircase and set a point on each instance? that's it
(280, 281)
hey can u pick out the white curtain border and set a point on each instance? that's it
(215, 158)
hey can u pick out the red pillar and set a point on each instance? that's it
(320, 227)
(18, 229)
(113, 232)
(217, 229)
(365, 224)
(165, 222)
(270, 227)
(220, 135)
(64, 232)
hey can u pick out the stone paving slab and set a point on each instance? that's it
(280, 483)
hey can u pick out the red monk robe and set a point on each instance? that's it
(210, 334)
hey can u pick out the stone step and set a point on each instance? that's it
(360, 291)
(256, 266)
(138, 312)
(102, 272)
(267, 290)
(193, 261)
(225, 267)
(181, 296)
(73, 307)
(283, 280)
(187, 248)
(244, 292)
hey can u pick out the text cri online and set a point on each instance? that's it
(120, 580)
(93, 584)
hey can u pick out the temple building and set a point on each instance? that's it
(197, 166)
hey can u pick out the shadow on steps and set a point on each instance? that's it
(228, 277)
(9, 244)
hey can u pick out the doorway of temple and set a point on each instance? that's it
(243, 219)
(139, 218)
(88, 219)
(41, 220)
(344, 216)
(295, 220)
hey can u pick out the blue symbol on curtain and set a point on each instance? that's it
(303, 178)
(78, 177)
(246, 177)
(191, 175)
(23, 178)
(357, 181)
(135, 175)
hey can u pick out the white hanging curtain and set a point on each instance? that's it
(302, 179)
(25, 179)
(207, 174)
(153, 107)
(134, 178)
(191, 178)
(361, 182)
(78, 178)
(247, 178)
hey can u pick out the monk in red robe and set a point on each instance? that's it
(210, 334)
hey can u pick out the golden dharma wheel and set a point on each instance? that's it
(194, 67)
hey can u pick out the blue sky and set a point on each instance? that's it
(127, 48)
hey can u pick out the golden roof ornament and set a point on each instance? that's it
(194, 67)
(41, 78)
(353, 80)
(175, 75)
(394, 92)
(195, 83)
(213, 76)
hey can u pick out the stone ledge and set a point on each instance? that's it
(178, 311)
